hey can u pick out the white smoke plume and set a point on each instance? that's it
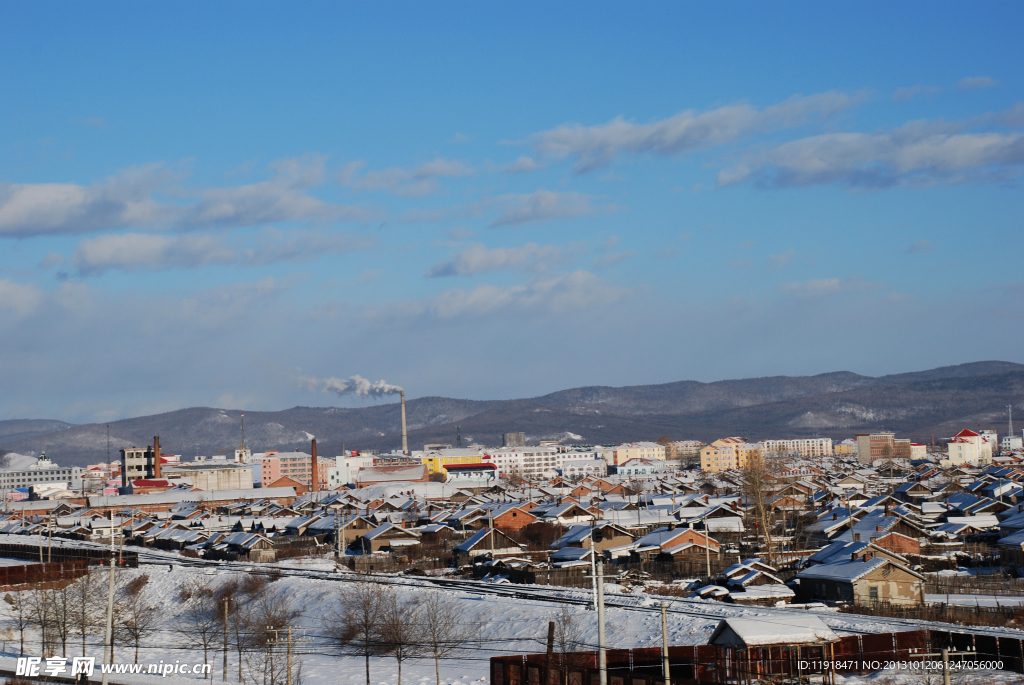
(356, 385)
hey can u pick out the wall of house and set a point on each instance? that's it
(892, 585)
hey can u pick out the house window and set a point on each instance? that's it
(873, 594)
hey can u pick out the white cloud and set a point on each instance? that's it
(545, 205)
(478, 258)
(922, 245)
(135, 251)
(522, 165)
(824, 287)
(911, 92)
(128, 200)
(916, 154)
(19, 299)
(977, 82)
(595, 146)
(415, 182)
(564, 293)
(782, 259)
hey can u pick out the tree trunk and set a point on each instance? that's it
(437, 669)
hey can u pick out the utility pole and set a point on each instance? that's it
(593, 561)
(49, 544)
(289, 680)
(490, 524)
(337, 534)
(664, 643)
(109, 638)
(551, 649)
(707, 547)
(602, 657)
(226, 600)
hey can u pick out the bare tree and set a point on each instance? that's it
(442, 629)
(17, 607)
(400, 629)
(759, 484)
(89, 599)
(198, 622)
(568, 640)
(261, 621)
(40, 611)
(137, 620)
(354, 625)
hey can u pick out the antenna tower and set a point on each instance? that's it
(1009, 408)
(108, 443)
(458, 437)
(242, 446)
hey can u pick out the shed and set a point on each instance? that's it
(779, 630)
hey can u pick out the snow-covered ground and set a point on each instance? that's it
(502, 624)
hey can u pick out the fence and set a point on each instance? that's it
(1003, 586)
(1004, 615)
(719, 664)
(93, 555)
(11, 576)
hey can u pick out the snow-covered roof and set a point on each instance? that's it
(788, 630)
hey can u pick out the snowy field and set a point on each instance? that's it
(500, 624)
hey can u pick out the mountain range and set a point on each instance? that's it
(920, 405)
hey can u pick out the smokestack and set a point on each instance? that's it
(156, 457)
(405, 435)
(315, 485)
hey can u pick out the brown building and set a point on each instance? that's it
(864, 582)
(880, 445)
(512, 517)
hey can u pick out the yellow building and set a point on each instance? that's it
(436, 461)
(728, 453)
(638, 450)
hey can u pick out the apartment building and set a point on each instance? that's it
(295, 465)
(848, 446)
(805, 447)
(968, 447)
(872, 446)
(686, 449)
(42, 472)
(728, 453)
(637, 450)
(535, 462)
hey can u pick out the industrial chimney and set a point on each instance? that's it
(156, 457)
(315, 481)
(405, 435)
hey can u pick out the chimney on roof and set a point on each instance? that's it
(156, 456)
(853, 557)
(835, 517)
(315, 481)
(878, 529)
(856, 537)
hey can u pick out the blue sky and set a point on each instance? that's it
(206, 203)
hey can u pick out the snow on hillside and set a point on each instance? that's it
(503, 625)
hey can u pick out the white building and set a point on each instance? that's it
(535, 461)
(968, 447)
(41, 471)
(345, 470)
(582, 468)
(1012, 442)
(806, 447)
